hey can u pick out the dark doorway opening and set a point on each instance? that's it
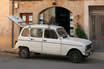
(63, 18)
(58, 16)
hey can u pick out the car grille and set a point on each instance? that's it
(89, 46)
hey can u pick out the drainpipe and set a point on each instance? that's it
(12, 41)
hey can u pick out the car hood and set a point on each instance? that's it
(76, 41)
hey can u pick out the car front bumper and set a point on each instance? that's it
(89, 52)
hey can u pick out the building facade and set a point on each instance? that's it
(5, 27)
(88, 13)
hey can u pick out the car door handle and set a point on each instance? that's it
(44, 40)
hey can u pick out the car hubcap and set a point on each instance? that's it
(73, 56)
(23, 53)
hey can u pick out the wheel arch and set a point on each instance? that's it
(74, 49)
(20, 47)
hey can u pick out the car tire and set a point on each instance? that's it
(24, 53)
(75, 56)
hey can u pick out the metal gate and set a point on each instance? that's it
(97, 30)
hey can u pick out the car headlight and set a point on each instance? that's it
(88, 47)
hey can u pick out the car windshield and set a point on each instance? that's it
(62, 32)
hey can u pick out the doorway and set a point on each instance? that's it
(58, 16)
(97, 27)
(63, 18)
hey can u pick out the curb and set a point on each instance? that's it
(12, 51)
(98, 54)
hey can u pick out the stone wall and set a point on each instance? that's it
(79, 9)
(5, 26)
(36, 7)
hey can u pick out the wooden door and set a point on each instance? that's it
(97, 31)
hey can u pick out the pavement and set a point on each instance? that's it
(9, 50)
(15, 51)
(49, 62)
(9, 60)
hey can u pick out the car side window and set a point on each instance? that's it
(35, 32)
(25, 32)
(50, 34)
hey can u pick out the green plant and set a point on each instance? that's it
(80, 33)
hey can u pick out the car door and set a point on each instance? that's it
(51, 43)
(36, 39)
(25, 37)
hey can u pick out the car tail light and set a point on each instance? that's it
(15, 41)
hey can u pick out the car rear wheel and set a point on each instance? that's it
(75, 56)
(24, 52)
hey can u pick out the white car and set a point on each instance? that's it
(51, 39)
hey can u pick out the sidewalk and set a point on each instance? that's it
(98, 54)
(15, 51)
(9, 50)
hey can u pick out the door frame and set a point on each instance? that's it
(50, 42)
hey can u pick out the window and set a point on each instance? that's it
(62, 32)
(50, 34)
(27, 17)
(25, 32)
(36, 32)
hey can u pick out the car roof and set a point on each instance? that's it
(43, 26)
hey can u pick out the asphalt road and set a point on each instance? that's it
(48, 62)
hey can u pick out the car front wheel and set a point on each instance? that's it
(75, 56)
(24, 52)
